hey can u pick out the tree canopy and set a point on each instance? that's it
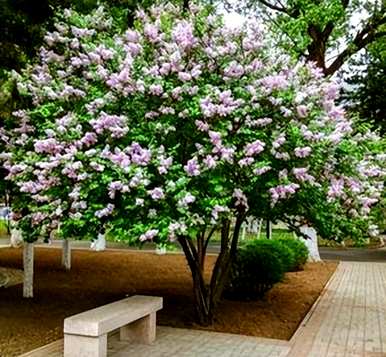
(327, 32)
(179, 127)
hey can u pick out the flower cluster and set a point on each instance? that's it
(168, 127)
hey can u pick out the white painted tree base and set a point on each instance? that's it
(66, 254)
(311, 243)
(16, 240)
(28, 265)
(99, 244)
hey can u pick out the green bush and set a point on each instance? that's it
(258, 265)
(299, 250)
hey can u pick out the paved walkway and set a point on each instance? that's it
(348, 320)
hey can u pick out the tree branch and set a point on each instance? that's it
(275, 7)
(345, 3)
(364, 37)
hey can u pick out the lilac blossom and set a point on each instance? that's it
(107, 211)
(261, 170)
(241, 198)
(302, 111)
(303, 152)
(183, 35)
(254, 148)
(234, 70)
(156, 193)
(185, 201)
(149, 235)
(192, 168)
(282, 192)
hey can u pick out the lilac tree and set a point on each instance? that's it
(180, 127)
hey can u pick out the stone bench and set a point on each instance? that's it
(85, 334)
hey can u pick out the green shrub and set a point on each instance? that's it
(257, 267)
(299, 250)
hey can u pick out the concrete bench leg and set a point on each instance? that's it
(85, 346)
(142, 330)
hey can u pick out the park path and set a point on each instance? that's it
(350, 317)
(348, 320)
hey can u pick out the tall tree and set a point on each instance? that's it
(327, 32)
(180, 127)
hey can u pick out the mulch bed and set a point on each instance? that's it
(98, 278)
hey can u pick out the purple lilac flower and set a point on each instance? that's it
(148, 235)
(234, 70)
(207, 107)
(157, 193)
(302, 175)
(89, 139)
(217, 210)
(210, 162)
(336, 188)
(186, 200)
(139, 155)
(302, 111)
(275, 82)
(302, 151)
(156, 89)
(202, 126)
(132, 35)
(184, 76)
(164, 165)
(282, 192)
(279, 141)
(192, 168)
(151, 32)
(215, 138)
(107, 211)
(241, 198)
(254, 148)
(50, 146)
(261, 170)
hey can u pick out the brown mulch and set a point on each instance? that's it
(98, 278)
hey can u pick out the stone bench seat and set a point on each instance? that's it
(85, 334)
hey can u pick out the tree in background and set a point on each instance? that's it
(365, 95)
(176, 129)
(327, 32)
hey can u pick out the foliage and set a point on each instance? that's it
(316, 30)
(179, 127)
(257, 267)
(366, 93)
(23, 24)
(299, 250)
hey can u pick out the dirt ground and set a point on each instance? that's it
(98, 278)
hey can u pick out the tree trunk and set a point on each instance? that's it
(207, 296)
(311, 243)
(66, 254)
(28, 265)
(269, 229)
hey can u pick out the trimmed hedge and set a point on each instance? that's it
(299, 250)
(258, 265)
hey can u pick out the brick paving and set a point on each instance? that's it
(348, 320)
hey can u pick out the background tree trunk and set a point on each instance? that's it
(28, 265)
(269, 229)
(66, 254)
